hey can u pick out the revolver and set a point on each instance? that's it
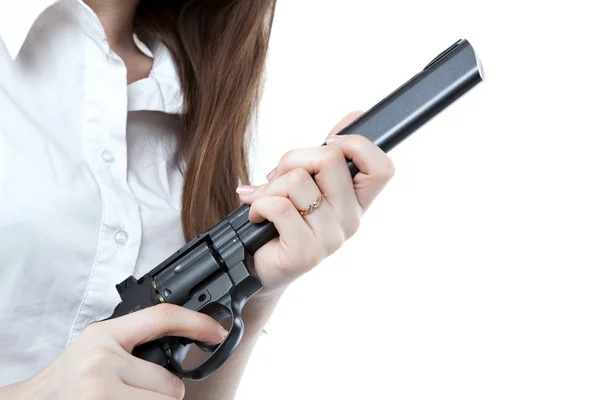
(214, 272)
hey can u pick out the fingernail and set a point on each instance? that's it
(271, 174)
(245, 189)
(223, 333)
(333, 138)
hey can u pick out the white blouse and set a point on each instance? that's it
(89, 192)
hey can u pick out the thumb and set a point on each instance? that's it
(163, 320)
(345, 122)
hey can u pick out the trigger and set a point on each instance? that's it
(209, 348)
(203, 346)
(185, 341)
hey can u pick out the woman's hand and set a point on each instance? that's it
(99, 364)
(304, 241)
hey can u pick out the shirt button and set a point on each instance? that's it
(107, 157)
(121, 238)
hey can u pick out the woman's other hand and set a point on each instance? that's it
(304, 241)
(99, 364)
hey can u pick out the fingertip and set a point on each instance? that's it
(217, 338)
(253, 215)
(215, 333)
(246, 189)
(223, 333)
(256, 219)
(271, 175)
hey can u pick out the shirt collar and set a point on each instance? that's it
(161, 91)
(16, 19)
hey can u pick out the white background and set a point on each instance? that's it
(476, 273)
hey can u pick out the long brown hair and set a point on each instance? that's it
(220, 47)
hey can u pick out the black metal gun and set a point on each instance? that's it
(213, 273)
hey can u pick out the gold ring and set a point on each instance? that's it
(312, 206)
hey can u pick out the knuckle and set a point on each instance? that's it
(97, 358)
(287, 156)
(333, 155)
(338, 241)
(281, 206)
(387, 170)
(93, 330)
(318, 257)
(164, 311)
(334, 242)
(390, 169)
(97, 335)
(298, 177)
(359, 142)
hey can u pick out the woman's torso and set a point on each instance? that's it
(89, 191)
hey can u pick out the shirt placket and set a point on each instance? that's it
(104, 127)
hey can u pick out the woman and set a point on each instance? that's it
(124, 130)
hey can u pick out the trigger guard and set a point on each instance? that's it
(179, 350)
(218, 312)
(229, 305)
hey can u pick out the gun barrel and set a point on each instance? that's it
(446, 78)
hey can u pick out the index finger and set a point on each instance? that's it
(163, 320)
